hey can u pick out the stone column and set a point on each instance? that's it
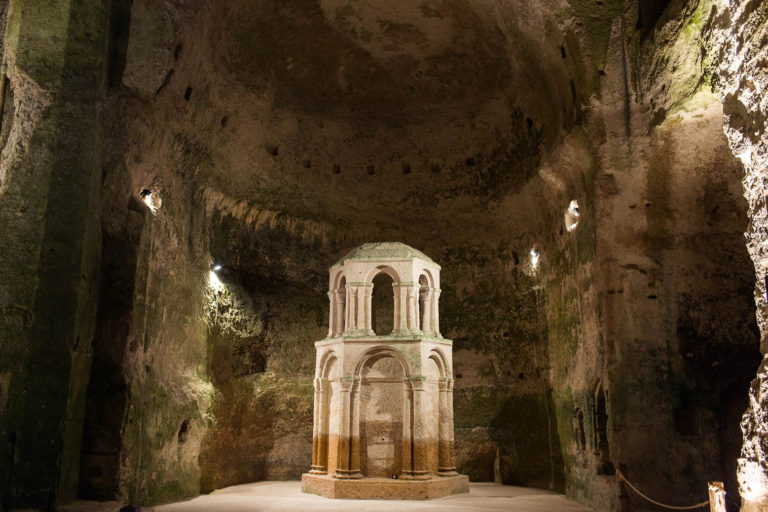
(411, 324)
(406, 469)
(341, 311)
(315, 426)
(342, 465)
(411, 293)
(368, 309)
(446, 465)
(401, 304)
(324, 428)
(361, 301)
(420, 442)
(427, 313)
(350, 309)
(332, 318)
(396, 295)
(319, 463)
(435, 317)
(354, 436)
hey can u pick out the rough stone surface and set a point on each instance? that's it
(274, 137)
(738, 35)
(49, 225)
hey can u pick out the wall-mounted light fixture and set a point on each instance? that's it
(572, 216)
(534, 258)
(152, 201)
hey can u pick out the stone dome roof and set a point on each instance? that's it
(385, 251)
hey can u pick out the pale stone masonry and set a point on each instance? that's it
(383, 414)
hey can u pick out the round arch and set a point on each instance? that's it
(326, 364)
(382, 310)
(373, 272)
(337, 279)
(426, 273)
(382, 351)
(442, 365)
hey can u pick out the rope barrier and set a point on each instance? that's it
(670, 507)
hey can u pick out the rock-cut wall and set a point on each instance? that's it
(739, 46)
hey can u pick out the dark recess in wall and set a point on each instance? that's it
(106, 399)
(649, 12)
(119, 26)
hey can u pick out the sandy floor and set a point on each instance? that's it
(287, 496)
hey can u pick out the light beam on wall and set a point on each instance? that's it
(534, 258)
(213, 278)
(572, 216)
(152, 201)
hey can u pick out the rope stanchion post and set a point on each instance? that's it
(660, 504)
(716, 497)
(624, 503)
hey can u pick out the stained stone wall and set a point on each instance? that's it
(49, 189)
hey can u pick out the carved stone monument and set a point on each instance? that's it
(383, 416)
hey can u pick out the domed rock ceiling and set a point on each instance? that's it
(272, 137)
(358, 110)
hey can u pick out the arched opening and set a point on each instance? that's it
(382, 416)
(602, 449)
(342, 305)
(383, 305)
(423, 302)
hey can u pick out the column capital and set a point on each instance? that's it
(417, 382)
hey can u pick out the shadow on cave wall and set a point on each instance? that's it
(107, 390)
(525, 431)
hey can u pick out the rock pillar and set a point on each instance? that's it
(56, 55)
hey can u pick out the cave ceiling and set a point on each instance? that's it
(400, 114)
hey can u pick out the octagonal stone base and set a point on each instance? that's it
(384, 488)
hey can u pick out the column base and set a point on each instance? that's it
(446, 472)
(415, 475)
(384, 488)
(318, 470)
(347, 474)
